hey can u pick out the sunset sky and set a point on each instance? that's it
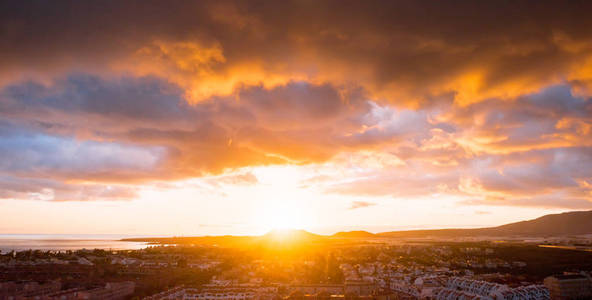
(238, 117)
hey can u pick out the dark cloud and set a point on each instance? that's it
(415, 50)
(128, 129)
(34, 154)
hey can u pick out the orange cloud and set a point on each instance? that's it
(213, 48)
(191, 90)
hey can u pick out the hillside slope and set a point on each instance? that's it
(354, 234)
(569, 223)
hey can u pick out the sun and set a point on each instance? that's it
(283, 215)
(283, 204)
(282, 212)
(285, 212)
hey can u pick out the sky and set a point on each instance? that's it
(238, 117)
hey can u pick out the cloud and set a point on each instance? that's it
(32, 154)
(361, 204)
(247, 178)
(87, 128)
(297, 122)
(558, 200)
(393, 50)
(12, 187)
(94, 130)
(406, 98)
(553, 178)
(481, 212)
(550, 118)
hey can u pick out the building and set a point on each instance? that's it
(452, 294)
(7, 288)
(218, 293)
(531, 292)
(313, 289)
(28, 290)
(476, 287)
(112, 290)
(569, 286)
(174, 293)
(359, 288)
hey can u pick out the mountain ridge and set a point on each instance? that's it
(567, 223)
(353, 234)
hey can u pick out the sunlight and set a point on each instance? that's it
(283, 215)
(283, 202)
(282, 211)
(286, 176)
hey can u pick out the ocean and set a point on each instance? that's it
(19, 242)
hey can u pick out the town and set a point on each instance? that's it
(358, 269)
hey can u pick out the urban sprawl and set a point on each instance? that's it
(358, 270)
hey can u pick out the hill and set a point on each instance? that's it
(354, 234)
(569, 223)
(291, 234)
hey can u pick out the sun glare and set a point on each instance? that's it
(283, 203)
(282, 215)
